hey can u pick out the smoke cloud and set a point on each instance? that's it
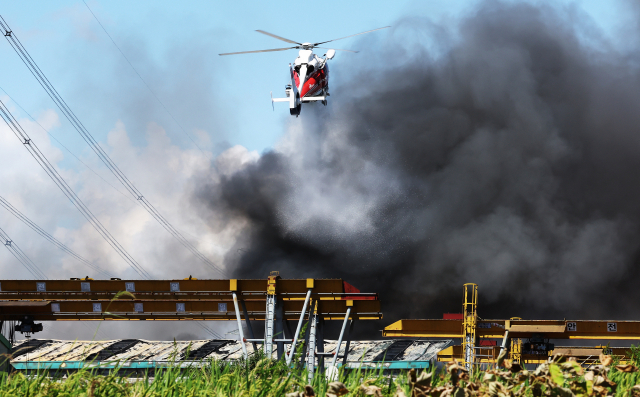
(504, 154)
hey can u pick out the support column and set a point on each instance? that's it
(268, 325)
(348, 346)
(248, 322)
(287, 328)
(311, 350)
(503, 347)
(306, 339)
(292, 351)
(279, 326)
(320, 343)
(344, 325)
(240, 333)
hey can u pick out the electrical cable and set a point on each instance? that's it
(209, 330)
(21, 256)
(35, 152)
(99, 151)
(14, 211)
(61, 144)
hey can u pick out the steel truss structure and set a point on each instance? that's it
(274, 301)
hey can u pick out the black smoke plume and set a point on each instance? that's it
(504, 151)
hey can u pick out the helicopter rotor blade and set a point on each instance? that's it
(278, 37)
(251, 52)
(368, 31)
(336, 49)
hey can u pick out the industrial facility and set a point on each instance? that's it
(276, 302)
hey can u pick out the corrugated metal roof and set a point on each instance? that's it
(132, 351)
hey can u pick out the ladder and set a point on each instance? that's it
(469, 323)
(268, 325)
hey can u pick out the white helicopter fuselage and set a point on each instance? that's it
(309, 80)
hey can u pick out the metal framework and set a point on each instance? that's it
(469, 321)
(274, 301)
(516, 350)
(476, 334)
(585, 355)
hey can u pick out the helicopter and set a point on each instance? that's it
(309, 72)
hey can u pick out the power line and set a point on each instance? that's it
(209, 330)
(14, 211)
(61, 144)
(80, 128)
(140, 76)
(35, 152)
(21, 256)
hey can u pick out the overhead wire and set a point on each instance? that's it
(95, 146)
(14, 211)
(35, 152)
(63, 146)
(30, 266)
(209, 330)
(21, 256)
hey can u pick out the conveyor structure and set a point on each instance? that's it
(526, 341)
(273, 300)
(143, 357)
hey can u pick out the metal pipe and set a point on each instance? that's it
(248, 322)
(240, 333)
(344, 325)
(346, 348)
(252, 340)
(504, 341)
(295, 337)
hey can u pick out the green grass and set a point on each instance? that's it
(263, 377)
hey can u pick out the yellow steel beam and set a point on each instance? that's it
(175, 310)
(582, 353)
(288, 286)
(190, 289)
(553, 329)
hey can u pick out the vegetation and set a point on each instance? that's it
(259, 376)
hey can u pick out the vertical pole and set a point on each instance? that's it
(295, 337)
(344, 325)
(287, 328)
(306, 338)
(248, 322)
(279, 326)
(348, 346)
(320, 343)
(311, 350)
(240, 333)
(503, 347)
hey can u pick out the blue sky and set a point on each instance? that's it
(233, 105)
